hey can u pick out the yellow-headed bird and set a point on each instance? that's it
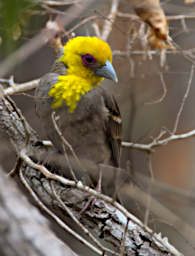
(87, 115)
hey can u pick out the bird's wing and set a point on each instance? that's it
(42, 100)
(113, 127)
(59, 68)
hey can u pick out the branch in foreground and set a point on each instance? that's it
(111, 212)
(15, 88)
(22, 233)
(50, 213)
(108, 218)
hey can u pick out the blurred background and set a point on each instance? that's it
(150, 91)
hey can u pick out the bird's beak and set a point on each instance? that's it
(107, 71)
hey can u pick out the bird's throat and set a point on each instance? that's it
(68, 90)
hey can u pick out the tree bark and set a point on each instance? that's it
(104, 220)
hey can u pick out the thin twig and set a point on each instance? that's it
(183, 100)
(96, 29)
(65, 144)
(149, 198)
(107, 27)
(16, 169)
(171, 17)
(156, 143)
(151, 52)
(20, 87)
(83, 22)
(180, 17)
(60, 3)
(164, 87)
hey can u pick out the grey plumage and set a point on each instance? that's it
(93, 129)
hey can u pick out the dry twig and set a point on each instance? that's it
(183, 100)
(19, 88)
(156, 143)
(107, 27)
(60, 3)
(164, 87)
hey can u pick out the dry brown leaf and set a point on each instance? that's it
(189, 1)
(151, 12)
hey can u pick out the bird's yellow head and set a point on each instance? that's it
(88, 61)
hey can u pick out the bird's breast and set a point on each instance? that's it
(85, 129)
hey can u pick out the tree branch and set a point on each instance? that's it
(156, 143)
(106, 218)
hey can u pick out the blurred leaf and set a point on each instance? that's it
(14, 15)
(16, 31)
(189, 1)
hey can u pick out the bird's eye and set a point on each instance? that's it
(88, 60)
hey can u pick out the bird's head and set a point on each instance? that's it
(88, 61)
(89, 58)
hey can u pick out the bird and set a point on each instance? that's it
(86, 113)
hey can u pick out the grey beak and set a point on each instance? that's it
(107, 71)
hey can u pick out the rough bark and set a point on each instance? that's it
(105, 221)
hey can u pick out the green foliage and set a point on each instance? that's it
(14, 16)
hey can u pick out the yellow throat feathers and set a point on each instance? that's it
(79, 79)
(69, 90)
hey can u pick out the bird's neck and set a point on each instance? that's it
(69, 89)
(85, 74)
